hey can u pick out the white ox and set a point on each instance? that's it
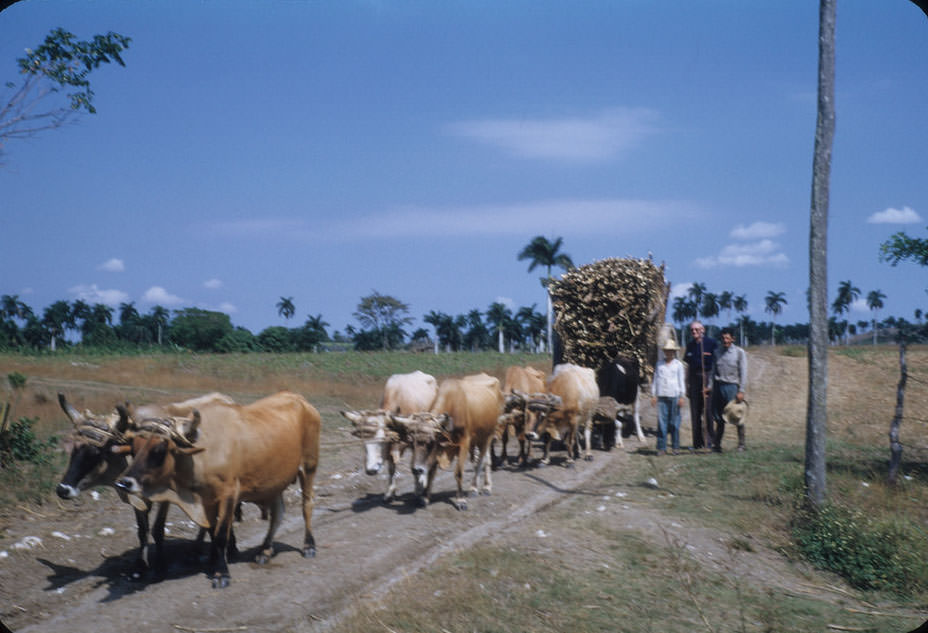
(578, 394)
(403, 394)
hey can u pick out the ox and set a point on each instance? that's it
(93, 462)
(620, 379)
(576, 389)
(519, 382)
(240, 453)
(402, 394)
(466, 413)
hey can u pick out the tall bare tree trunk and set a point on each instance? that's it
(895, 446)
(817, 414)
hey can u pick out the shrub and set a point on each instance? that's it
(871, 554)
(19, 443)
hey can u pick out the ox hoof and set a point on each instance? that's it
(262, 559)
(220, 582)
(460, 504)
(309, 552)
(588, 458)
(486, 492)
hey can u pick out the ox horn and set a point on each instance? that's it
(73, 414)
(192, 433)
(124, 414)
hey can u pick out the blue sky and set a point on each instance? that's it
(324, 150)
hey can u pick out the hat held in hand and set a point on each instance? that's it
(734, 412)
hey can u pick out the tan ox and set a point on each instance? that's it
(468, 410)
(519, 383)
(578, 392)
(403, 394)
(238, 453)
(92, 462)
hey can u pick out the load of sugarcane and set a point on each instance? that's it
(609, 308)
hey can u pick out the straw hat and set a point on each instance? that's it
(670, 345)
(735, 412)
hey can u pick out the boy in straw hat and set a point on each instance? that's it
(667, 392)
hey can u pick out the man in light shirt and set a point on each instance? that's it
(726, 383)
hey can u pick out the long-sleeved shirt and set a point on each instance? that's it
(731, 365)
(669, 380)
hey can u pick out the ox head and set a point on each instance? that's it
(371, 426)
(538, 406)
(157, 455)
(429, 435)
(92, 460)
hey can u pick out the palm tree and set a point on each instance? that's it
(543, 252)
(80, 312)
(498, 316)
(875, 302)
(740, 304)
(683, 311)
(285, 308)
(56, 319)
(847, 294)
(532, 324)
(695, 293)
(435, 319)
(775, 302)
(725, 302)
(710, 305)
(159, 315)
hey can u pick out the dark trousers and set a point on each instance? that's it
(700, 414)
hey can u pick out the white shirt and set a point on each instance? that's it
(669, 379)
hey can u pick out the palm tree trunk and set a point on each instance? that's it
(816, 412)
(550, 320)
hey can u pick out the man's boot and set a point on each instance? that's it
(741, 446)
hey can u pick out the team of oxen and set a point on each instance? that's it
(209, 454)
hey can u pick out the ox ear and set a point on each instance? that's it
(446, 422)
(73, 414)
(122, 425)
(444, 462)
(121, 449)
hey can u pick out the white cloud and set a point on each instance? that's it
(212, 284)
(506, 301)
(113, 265)
(603, 136)
(159, 296)
(905, 215)
(860, 305)
(680, 289)
(758, 231)
(762, 253)
(92, 294)
(228, 308)
(566, 217)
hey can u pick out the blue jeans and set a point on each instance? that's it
(668, 421)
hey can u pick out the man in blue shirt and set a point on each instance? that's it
(698, 359)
